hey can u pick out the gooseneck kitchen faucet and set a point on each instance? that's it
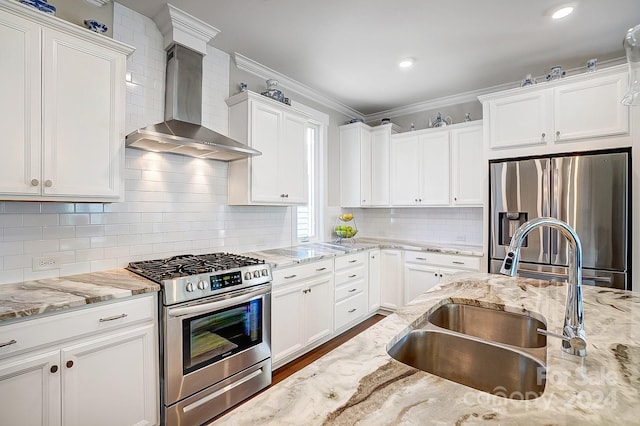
(573, 335)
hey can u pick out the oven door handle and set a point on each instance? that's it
(221, 304)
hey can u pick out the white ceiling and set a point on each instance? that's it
(348, 50)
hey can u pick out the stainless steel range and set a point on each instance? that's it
(215, 332)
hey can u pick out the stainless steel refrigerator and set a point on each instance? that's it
(589, 191)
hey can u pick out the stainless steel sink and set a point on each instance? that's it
(483, 366)
(490, 324)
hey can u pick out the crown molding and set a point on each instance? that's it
(179, 27)
(259, 70)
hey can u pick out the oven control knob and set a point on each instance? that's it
(189, 286)
(201, 285)
(247, 275)
(265, 272)
(256, 274)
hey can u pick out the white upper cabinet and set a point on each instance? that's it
(583, 110)
(420, 169)
(279, 175)
(364, 165)
(62, 109)
(438, 167)
(468, 168)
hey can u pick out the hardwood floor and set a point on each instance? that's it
(288, 369)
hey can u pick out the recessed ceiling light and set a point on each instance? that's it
(562, 12)
(406, 63)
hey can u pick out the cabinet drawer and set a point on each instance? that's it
(456, 261)
(350, 260)
(296, 273)
(33, 333)
(351, 309)
(350, 288)
(351, 274)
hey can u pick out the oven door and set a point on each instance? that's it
(208, 340)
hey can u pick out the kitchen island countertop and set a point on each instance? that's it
(49, 295)
(359, 383)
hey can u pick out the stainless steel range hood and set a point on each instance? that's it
(182, 132)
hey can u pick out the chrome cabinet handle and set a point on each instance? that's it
(115, 317)
(558, 133)
(455, 262)
(35, 182)
(320, 269)
(421, 258)
(48, 183)
(352, 290)
(353, 276)
(543, 135)
(353, 261)
(10, 342)
(290, 276)
(352, 310)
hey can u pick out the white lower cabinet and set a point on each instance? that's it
(424, 270)
(391, 289)
(352, 282)
(301, 309)
(374, 281)
(96, 366)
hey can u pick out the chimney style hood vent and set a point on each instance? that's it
(182, 132)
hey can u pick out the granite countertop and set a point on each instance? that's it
(311, 252)
(359, 383)
(54, 294)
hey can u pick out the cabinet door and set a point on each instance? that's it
(418, 279)
(292, 161)
(266, 123)
(83, 135)
(30, 390)
(391, 288)
(405, 171)
(111, 380)
(318, 302)
(366, 185)
(20, 105)
(374, 280)
(521, 120)
(591, 108)
(434, 170)
(287, 326)
(380, 139)
(468, 170)
(350, 166)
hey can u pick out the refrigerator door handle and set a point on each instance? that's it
(552, 275)
(555, 202)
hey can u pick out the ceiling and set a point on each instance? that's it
(348, 50)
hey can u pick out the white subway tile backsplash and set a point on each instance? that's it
(74, 219)
(22, 233)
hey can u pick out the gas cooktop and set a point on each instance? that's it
(189, 277)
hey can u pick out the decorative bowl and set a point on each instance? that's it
(95, 26)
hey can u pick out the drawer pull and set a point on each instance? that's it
(353, 261)
(353, 276)
(290, 276)
(352, 310)
(352, 290)
(115, 317)
(54, 369)
(455, 262)
(10, 342)
(421, 258)
(320, 269)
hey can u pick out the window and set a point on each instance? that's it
(307, 215)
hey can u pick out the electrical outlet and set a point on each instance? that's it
(46, 263)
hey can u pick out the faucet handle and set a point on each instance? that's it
(576, 342)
